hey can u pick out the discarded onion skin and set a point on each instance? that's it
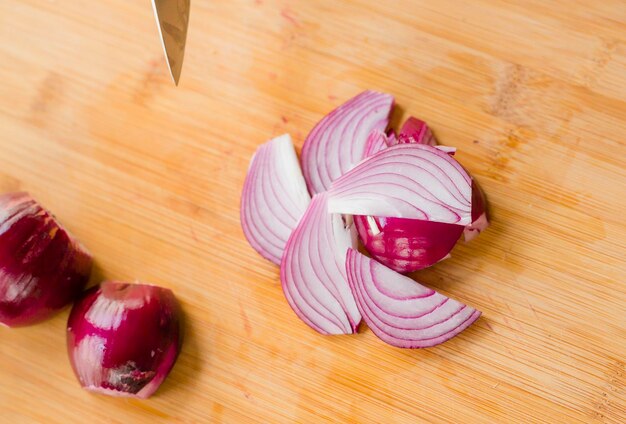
(337, 142)
(42, 267)
(407, 245)
(123, 339)
(274, 197)
(400, 311)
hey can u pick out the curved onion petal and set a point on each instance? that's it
(274, 197)
(416, 131)
(400, 311)
(405, 181)
(480, 219)
(123, 339)
(447, 149)
(376, 142)
(391, 138)
(407, 245)
(42, 267)
(313, 273)
(337, 142)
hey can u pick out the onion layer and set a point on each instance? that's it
(338, 141)
(42, 267)
(400, 311)
(313, 273)
(376, 142)
(480, 219)
(274, 198)
(405, 181)
(416, 131)
(123, 339)
(407, 245)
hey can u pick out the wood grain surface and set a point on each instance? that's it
(148, 176)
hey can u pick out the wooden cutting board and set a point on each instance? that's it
(148, 176)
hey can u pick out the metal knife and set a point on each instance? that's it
(172, 18)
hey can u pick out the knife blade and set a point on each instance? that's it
(172, 17)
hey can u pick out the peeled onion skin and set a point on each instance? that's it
(42, 267)
(407, 245)
(123, 339)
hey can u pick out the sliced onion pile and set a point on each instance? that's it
(42, 267)
(408, 199)
(400, 311)
(123, 339)
(274, 198)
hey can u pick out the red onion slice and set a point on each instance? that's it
(123, 339)
(405, 181)
(416, 131)
(480, 219)
(407, 245)
(400, 311)
(376, 142)
(447, 149)
(338, 141)
(274, 197)
(313, 273)
(42, 267)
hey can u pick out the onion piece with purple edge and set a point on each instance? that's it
(404, 245)
(337, 142)
(376, 142)
(313, 273)
(42, 267)
(480, 217)
(274, 197)
(407, 245)
(123, 339)
(405, 181)
(416, 131)
(400, 311)
(447, 149)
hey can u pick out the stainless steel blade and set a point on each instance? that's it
(172, 18)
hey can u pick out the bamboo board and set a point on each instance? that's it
(148, 176)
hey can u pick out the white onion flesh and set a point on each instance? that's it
(274, 197)
(400, 311)
(337, 142)
(376, 142)
(313, 273)
(405, 181)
